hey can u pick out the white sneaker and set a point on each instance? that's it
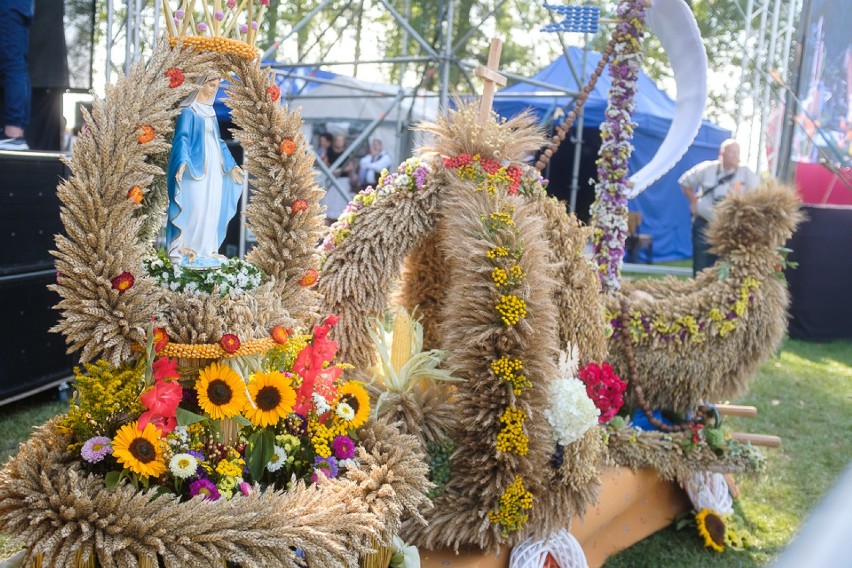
(7, 143)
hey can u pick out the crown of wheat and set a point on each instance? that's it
(228, 26)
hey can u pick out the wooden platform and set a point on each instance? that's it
(633, 505)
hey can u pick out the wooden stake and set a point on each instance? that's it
(734, 410)
(757, 439)
(492, 77)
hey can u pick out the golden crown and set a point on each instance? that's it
(228, 26)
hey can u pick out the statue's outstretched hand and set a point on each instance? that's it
(237, 175)
(179, 173)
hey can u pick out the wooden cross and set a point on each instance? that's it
(491, 77)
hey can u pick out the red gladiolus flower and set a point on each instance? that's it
(279, 335)
(331, 320)
(230, 343)
(165, 424)
(274, 93)
(176, 77)
(161, 339)
(123, 282)
(299, 205)
(165, 368)
(163, 398)
(310, 278)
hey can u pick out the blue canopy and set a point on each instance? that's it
(292, 81)
(664, 208)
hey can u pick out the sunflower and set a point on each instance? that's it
(354, 395)
(221, 391)
(140, 452)
(712, 528)
(271, 398)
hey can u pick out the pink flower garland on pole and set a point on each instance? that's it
(609, 212)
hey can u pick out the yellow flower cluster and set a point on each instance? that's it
(105, 392)
(500, 276)
(501, 218)
(512, 309)
(497, 252)
(512, 437)
(516, 273)
(514, 501)
(217, 43)
(231, 468)
(509, 369)
(323, 434)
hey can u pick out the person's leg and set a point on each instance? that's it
(14, 42)
(701, 257)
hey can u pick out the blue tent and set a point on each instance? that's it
(664, 208)
(292, 81)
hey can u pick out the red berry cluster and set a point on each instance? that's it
(176, 77)
(515, 173)
(458, 161)
(491, 167)
(605, 389)
(215, 451)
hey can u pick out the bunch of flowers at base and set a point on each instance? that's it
(236, 426)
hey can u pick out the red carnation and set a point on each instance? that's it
(274, 93)
(230, 343)
(605, 389)
(176, 77)
(123, 282)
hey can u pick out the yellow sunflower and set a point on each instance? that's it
(140, 452)
(353, 395)
(711, 527)
(271, 398)
(221, 391)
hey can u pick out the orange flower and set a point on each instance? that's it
(146, 133)
(310, 278)
(299, 205)
(176, 77)
(123, 282)
(274, 93)
(230, 343)
(161, 339)
(287, 147)
(279, 334)
(135, 194)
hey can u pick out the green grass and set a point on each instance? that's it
(803, 395)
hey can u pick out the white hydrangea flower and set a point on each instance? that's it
(572, 413)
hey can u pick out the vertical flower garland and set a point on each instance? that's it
(609, 212)
(508, 278)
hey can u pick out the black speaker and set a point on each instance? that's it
(29, 210)
(31, 357)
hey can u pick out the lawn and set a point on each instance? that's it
(803, 395)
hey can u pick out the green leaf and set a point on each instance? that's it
(111, 479)
(259, 451)
(241, 420)
(185, 417)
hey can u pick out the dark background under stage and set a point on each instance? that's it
(821, 306)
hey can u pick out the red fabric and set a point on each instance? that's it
(820, 186)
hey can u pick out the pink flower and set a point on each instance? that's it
(165, 368)
(343, 447)
(231, 3)
(219, 16)
(246, 488)
(179, 14)
(243, 29)
(95, 449)
(163, 423)
(202, 27)
(254, 24)
(163, 398)
(205, 488)
(605, 389)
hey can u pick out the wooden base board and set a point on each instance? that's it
(633, 505)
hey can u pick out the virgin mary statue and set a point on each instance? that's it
(204, 183)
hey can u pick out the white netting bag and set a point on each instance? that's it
(709, 490)
(561, 545)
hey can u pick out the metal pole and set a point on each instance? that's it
(407, 27)
(302, 23)
(578, 143)
(791, 107)
(110, 15)
(403, 67)
(448, 53)
(758, 82)
(158, 6)
(744, 67)
(767, 91)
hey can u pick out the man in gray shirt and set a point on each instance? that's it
(705, 185)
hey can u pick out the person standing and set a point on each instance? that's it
(372, 164)
(335, 200)
(15, 19)
(705, 185)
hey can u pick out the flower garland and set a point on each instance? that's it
(508, 278)
(234, 276)
(409, 176)
(609, 212)
(493, 175)
(688, 328)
